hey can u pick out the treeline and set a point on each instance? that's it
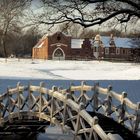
(20, 43)
(77, 31)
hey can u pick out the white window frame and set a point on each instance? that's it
(62, 58)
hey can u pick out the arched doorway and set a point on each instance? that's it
(58, 54)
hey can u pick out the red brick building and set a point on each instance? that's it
(61, 46)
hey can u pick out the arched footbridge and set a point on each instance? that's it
(88, 112)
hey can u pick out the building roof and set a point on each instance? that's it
(77, 43)
(119, 42)
(39, 44)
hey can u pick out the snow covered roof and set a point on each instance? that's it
(64, 33)
(45, 36)
(119, 42)
(58, 32)
(76, 43)
(51, 34)
(39, 44)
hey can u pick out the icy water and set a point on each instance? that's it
(132, 87)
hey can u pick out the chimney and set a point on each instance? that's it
(97, 37)
(111, 37)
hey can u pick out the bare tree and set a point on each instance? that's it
(135, 41)
(75, 30)
(28, 41)
(10, 13)
(92, 12)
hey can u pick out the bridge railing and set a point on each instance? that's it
(73, 112)
(63, 107)
(111, 103)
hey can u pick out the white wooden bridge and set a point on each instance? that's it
(88, 112)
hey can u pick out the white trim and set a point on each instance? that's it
(59, 44)
(57, 58)
(40, 45)
(76, 43)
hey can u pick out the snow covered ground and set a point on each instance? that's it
(69, 70)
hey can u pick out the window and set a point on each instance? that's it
(96, 49)
(112, 50)
(58, 53)
(123, 51)
(118, 51)
(106, 51)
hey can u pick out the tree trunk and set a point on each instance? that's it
(3, 46)
(3, 39)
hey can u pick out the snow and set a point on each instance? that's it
(76, 43)
(120, 42)
(68, 70)
(40, 45)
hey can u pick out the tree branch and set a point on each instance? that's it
(92, 12)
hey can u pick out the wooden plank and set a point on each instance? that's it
(79, 88)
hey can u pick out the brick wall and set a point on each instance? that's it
(63, 42)
(59, 40)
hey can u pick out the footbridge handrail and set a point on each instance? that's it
(69, 111)
(121, 108)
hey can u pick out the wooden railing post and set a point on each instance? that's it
(19, 100)
(29, 101)
(71, 84)
(72, 92)
(108, 102)
(95, 97)
(77, 126)
(9, 105)
(98, 131)
(122, 110)
(1, 109)
(137, 119)
(42, 84)
(68, 96)
(54, 88)
(82, 94)
(65, 115)
(95, 121)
